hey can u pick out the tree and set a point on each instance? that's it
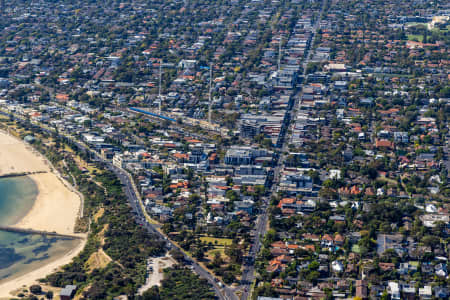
(390, 255)
(314, 265)
(152, 294)
(49, 295)
(265, 290)
(199, 254)
(36, 289)
(385, 296)
(267, 143)
(177, 254)
(234, 252)
(270, 237)
(87, 123)
(217, 261)
(431, 241)
(180, 283)
(314, 176)
(313, 276)
(228, 277)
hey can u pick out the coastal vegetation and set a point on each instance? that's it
(180, 283)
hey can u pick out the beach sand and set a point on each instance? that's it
(55, 210)
(15, 157)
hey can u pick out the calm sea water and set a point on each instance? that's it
(21, 253)
(17, 195)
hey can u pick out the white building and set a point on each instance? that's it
(394, 290)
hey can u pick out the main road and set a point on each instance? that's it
(248, 275)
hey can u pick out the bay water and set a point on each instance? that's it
(22, 252)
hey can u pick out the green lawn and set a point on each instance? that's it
(213, 240)
(212, 253)
(388, 180)
(411, 24)
(414, 263)
(356, 249)
(415, 37)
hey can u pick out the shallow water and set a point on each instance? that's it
(17, 195)
(21, 253)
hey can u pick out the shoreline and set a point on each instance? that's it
(56, 200)
(50, 192)
(14, 284)
(55, 208)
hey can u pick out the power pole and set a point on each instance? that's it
(159, 92)
(149, 72)
(279, 53)
(210, 89)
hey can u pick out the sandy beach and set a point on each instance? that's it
(55, 209)
(16, 158)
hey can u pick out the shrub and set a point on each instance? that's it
(36, 289)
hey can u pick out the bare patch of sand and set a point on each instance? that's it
(16, 157)
(98, 260)
(99, 214)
